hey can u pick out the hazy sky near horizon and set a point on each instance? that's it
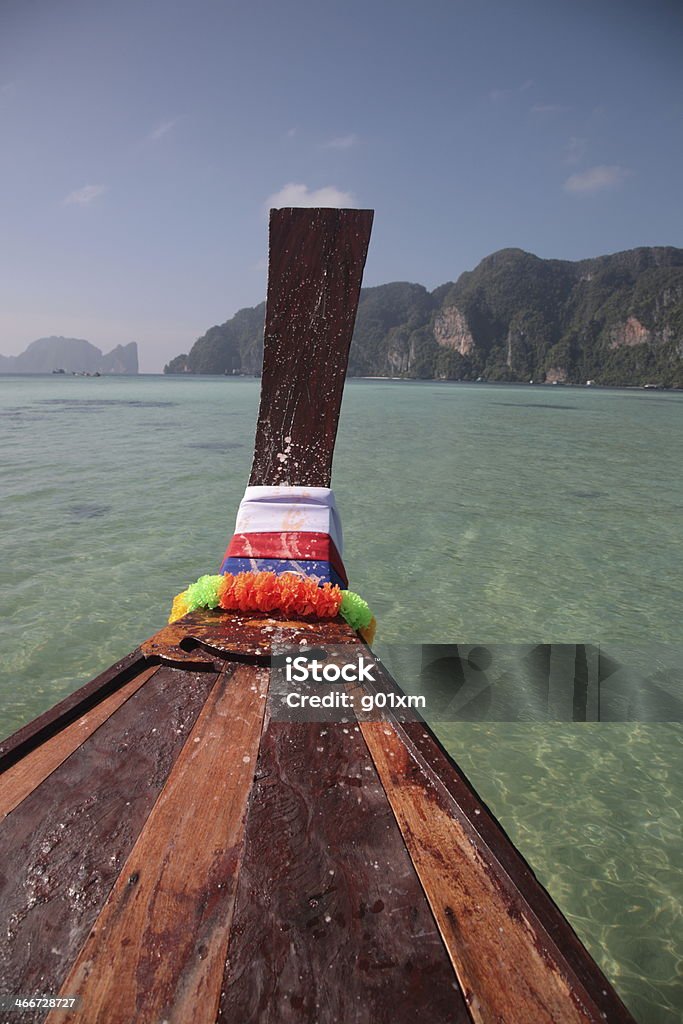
(142, 142)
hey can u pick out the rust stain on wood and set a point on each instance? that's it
(157, 949)
(330, 921)
(24, 776)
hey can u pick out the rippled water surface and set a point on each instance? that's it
(472, 514)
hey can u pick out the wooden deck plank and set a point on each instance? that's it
(330, 923)
(66, 711)
(157, 950)
(503, 956)
(63, 846)
(28, 773)
(314, 277)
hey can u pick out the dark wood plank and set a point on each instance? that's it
(28, 773)
(69, 709)
(330, 921)
(314, 277)
(157, 950)
(63, 847)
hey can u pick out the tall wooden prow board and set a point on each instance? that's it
(314, 277)
(169, 851)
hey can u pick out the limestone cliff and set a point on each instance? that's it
(451, 330)
(630, 333)
(614, 320)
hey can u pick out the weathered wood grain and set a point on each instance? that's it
(157, 949)
(330, 921)
(314, 277)
(250, 636)
(507, 963)
(69, 709)
(23, 777)
(62, 848)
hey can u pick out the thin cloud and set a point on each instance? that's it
(548, 108)
(300, 195)
(84, 196)
(163, 129)
(342, 142)
(595, 179)
(497, 95)
(575, 149)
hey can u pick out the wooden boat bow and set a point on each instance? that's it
(172, 851)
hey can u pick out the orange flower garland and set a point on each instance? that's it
(266, 592)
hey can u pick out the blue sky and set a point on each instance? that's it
(142, 141)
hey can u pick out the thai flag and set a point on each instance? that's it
(288, 529)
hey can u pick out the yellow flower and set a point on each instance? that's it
(368, 632)
(179, 607)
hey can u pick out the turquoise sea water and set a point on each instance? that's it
(472, 514)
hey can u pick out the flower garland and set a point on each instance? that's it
(267, 592)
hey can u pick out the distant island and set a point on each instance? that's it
(71, 355)
(612, 320)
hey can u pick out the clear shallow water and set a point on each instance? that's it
(471, 514)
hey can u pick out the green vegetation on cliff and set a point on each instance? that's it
(614, 320)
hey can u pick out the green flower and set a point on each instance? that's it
(203, 593)
(355, 610)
